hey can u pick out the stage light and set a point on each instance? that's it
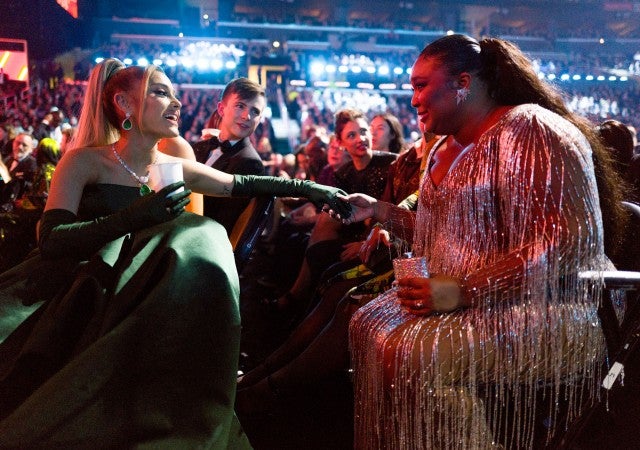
(231, 65)
(127, 61)
(386, 86)
(601, 78)
(99, 59)
(157, 62)
(202, 64)
(383, 70)
(205, 17)
(356, 69)
(589, 78)
(398, 70)
(330, 68)
(143, 62)
(343, 69)
(576, 78)
(364, 85)
(172, 62)
(187, 62)
(216, 64)
(276, 44)
(317, 68)
(612, 78)
(371, 69)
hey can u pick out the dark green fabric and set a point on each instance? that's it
(318, 194)
(63, 235)
(141, 350)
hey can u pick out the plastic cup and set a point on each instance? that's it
(410, 267)
(164, 174)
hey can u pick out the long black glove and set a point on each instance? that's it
(62, 235)
(318, 194)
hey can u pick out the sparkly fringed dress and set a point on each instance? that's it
(515, 219)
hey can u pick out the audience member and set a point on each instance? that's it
(50, 126)
(110, 334)
(22, 165)
(48, 155)
(331, 242)
(240, 109)
(386, 133)
(505, 222)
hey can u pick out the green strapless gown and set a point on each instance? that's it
(139, 348)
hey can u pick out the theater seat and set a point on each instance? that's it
(249, 227)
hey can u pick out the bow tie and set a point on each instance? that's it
(225, 146)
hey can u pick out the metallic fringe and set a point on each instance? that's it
(516, 220)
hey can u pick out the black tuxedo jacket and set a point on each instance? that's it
(26, 169)
(241, 159)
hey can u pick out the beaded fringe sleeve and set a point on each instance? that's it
(516, 220)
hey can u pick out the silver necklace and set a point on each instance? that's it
(141, 179)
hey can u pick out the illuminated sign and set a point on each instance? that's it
(71, 6)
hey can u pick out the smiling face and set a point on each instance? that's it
(240, 117)
(161, 108)
(434, 96)
(356, 138)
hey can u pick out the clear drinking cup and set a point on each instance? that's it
(164, 174)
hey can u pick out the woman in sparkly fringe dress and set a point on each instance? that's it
(506, 220)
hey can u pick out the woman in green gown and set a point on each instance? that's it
(136, 341)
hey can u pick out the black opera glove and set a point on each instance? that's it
(62, 235)
(318, 194)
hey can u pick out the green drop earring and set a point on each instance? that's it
(126, 123)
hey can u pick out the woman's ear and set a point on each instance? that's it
(462, 81)
(122, 102)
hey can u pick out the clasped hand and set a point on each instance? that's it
(157, 207)
(422, 296)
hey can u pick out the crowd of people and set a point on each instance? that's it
(507, 186)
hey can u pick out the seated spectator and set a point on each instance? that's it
(386, 133)
(21, 164)
(48, 154)
(330, 242)
(137, 342)
(505, 222)
(239, 110)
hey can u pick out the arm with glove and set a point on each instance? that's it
(318, 194)
(63, 235)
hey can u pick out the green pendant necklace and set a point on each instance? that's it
(141, 179)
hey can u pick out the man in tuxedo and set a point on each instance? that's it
(22, 167)
(240, 109)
